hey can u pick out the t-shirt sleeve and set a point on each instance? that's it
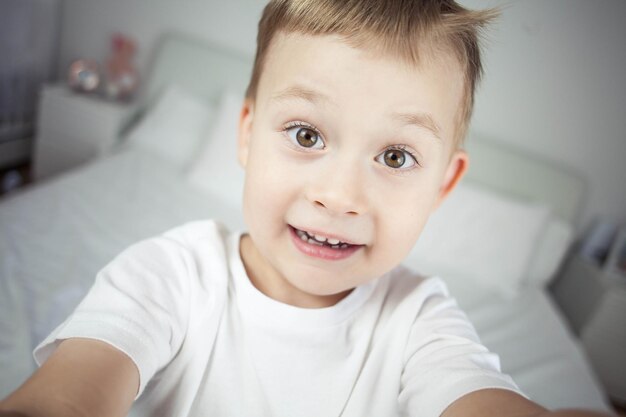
(445, 360)
(138, 303)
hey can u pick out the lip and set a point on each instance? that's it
(322, 252)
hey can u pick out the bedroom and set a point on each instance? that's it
(50, 226)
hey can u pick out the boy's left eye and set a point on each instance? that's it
(305, 136)
(397, 158)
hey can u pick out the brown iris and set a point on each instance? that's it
(306, 137)
(394, 158)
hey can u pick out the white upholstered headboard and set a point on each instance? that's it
(197, 66)
(509, 170)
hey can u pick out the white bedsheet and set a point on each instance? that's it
(55, 236)
(535, 345)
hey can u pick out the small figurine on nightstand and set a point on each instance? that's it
(84, 76)
(596, 246)
(122, 78)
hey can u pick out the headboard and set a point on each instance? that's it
(509, 170)
(208, 69)
(197, 66)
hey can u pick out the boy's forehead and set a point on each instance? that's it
(295, 47)
(324, 69)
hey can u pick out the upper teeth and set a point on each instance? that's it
(326, 239)
(321, 239)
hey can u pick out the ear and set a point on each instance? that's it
(457, 167)
(246, 117)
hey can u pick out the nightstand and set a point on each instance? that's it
(594, 301)
(74, 128)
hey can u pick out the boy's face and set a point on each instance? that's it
(348, 145)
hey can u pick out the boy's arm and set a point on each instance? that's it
(504, 403)
(83, 377)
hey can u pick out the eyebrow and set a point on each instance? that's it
(299, 92)
(423, 120)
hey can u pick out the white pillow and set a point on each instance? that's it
(481, 235)
(216, 169)
(549, 253)
(174, 126)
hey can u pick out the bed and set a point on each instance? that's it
(55, 235)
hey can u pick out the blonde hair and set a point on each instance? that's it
(407, 29)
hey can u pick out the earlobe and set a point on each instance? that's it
(246, 117)
(457, 167)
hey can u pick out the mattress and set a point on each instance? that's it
(56, 235)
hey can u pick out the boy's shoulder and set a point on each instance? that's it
(193, 231)
(414, 293)
(406, 280)
(188, 247)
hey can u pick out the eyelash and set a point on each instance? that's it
(401, 148)
(293, 124)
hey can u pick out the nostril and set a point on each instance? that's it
(322, 205)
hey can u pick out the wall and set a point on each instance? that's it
(555, 85)
(555, 82)
(87, 25)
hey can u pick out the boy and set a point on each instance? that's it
(350, 137)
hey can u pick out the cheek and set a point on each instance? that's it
(403, 215)
(267, 186)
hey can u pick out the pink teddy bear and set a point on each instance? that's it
(122, 78)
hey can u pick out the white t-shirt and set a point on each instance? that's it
(208, 343)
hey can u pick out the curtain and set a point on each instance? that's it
(28, 47)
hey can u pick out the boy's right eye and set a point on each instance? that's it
(304, 136)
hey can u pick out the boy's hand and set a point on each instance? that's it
(504, 403)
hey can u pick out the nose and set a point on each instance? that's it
(339, 188)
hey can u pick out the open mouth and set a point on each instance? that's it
(322, 246)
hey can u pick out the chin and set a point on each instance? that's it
(318, 281)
